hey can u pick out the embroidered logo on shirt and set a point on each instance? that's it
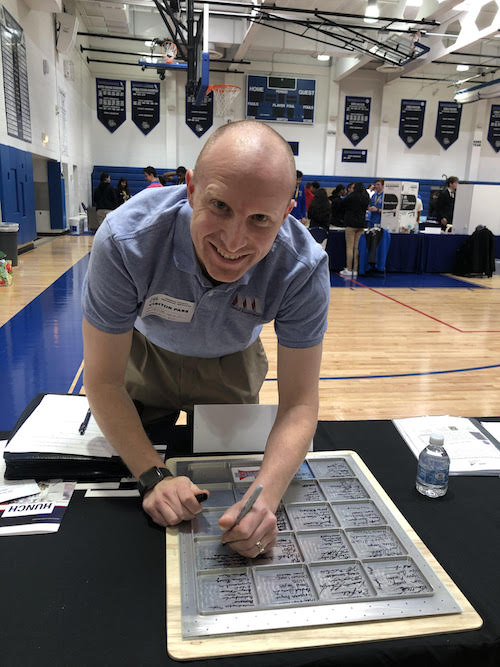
(168, 308)
(247, 304)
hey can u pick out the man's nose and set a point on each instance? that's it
(234, 234)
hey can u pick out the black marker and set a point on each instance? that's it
(85, 423)
(201, 497)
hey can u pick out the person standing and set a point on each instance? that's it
(104, 198)
(445, 203)
(319, 208)
(355, 206)
(152, 177)
(337, 206)
(376, 201)
(122, 191)
(299, 211)
(179, 285)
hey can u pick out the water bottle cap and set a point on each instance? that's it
(436, 439)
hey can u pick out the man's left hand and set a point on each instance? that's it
(255, 533)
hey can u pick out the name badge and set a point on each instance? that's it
(168, 308)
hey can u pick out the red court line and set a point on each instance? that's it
(405, 305)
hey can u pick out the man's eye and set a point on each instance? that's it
(220, 205)
(260, 218)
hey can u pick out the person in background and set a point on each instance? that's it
(122, 191)
(349, 189)
(445, 203)
(375, 207)
(104, 198)
(151, 177)
(418, 210)
(309, 194)
(179, 285)
(177, 177)
(370, 190)
(337, 206)
(299, 210)
(319, 208)
(432, 204)
(355, 206)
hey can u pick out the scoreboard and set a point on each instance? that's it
(280, 99)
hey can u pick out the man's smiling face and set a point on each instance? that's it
(239, 201)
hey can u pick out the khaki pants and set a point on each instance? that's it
(352, 235)
(101, 213)
(164, 382)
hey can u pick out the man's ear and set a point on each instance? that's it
(290, 208)
(190, 186)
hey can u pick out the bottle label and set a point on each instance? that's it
(432, 476)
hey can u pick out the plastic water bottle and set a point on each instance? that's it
(433, 468)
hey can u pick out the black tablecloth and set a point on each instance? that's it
(94, 593)
(408, 253)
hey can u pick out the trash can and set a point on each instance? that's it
(8, 240)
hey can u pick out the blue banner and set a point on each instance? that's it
(356, 118)
(411, 121)
(199, 117)
(110, 102)
(448, 123)
(145, 105)
(494, 127)
(354, 155)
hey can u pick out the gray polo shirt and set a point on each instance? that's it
(143, 273)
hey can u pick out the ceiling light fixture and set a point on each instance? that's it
(323, 56)
(462, 68)
(414, 3)
(372, 12)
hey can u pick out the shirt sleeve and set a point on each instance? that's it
(302, 318)
(109, 298)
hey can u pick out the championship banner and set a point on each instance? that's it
(356, 118)
(110, 102)
(145, 105)
(494, 127)
(200, 117)
(448, 123)
(411, 121)
(354, 155)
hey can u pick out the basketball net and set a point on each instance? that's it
(224, 96)
(169, 50)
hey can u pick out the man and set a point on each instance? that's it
(197, 279)
(151, 177)
(445, 202)
(177, 177)
(299, 211)
(375, 207)
(104, 198)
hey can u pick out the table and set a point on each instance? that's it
(408, 253)
(93, 594)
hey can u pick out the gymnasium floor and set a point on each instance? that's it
(397, 345)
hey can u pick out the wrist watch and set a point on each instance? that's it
(150, 479)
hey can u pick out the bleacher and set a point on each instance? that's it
(136, 182)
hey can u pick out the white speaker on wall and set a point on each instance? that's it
(67, 25)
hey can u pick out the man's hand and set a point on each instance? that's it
(372, 209)
(173, 500)
(258, 527)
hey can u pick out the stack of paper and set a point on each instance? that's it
(48, 445)
(471, 448)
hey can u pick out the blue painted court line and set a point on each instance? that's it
(41, 347)
(399, 375)
(403, 280)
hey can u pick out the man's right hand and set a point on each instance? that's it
(173, 500)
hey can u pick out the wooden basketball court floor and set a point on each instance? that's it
(388, 352)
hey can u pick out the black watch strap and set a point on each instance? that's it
(149, 479)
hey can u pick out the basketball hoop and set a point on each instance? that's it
(224, 96)
(169, 51)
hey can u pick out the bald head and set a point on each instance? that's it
(252, 146)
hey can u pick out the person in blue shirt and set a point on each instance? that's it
(299, 211)
(180, 282)
(375, 207)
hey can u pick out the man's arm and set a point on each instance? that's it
(288, 442)
(106, 356)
